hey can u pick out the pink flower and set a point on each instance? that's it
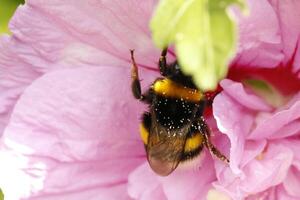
(69, 123)
(264, 133)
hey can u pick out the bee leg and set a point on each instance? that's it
(135, 84)
(204, 129)
(163, 67)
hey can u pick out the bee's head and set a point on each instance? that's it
(178, 76)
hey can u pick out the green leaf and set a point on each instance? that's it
(7, 8)
(1, 195)
(203, 34)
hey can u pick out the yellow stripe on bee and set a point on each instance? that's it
(144, 133)
(193, 142)
(169, 88)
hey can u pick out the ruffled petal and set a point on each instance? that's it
(68, 133)
(235, 121)
(282, 194)
(293, 144)
(282, 123)
(292, 182)
(260, 174)
(226, 177)
(288, 14)
(259, 42)
(269, 35)
(269, 171)
(251, 101)
(278, 193)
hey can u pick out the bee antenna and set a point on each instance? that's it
(132, 55)
(164, 52)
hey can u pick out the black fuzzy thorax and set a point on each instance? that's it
(173, 113)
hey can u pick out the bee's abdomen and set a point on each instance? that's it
(145, 127)
(193, 145)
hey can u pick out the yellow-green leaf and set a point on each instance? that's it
(7, 8)
(1, 195)
(203, 34)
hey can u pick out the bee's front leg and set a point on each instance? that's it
(135, 84)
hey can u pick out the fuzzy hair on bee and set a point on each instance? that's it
(173, 129)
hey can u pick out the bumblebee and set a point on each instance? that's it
(173, 130)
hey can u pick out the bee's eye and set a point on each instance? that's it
(193, 142)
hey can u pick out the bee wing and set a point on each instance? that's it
(165, 149)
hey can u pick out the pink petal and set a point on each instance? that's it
(288, 15)
(280, 124)
(296, 66)
(144, 184)
(235, 121)
(186, 182)
(260, 174)
(190, 183)
(268, 49)
(289, 129)
(268, 194)
(227, 178)
(72, 134)
(269, 35)
(252, 149)
(251, 101)
(110, 192)
(78, 30)
(16, 72)
(269, 171)
(293, 144)
(56, 34)
(281, 194)
(259, 43)
(292, 182)
(278, 193)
